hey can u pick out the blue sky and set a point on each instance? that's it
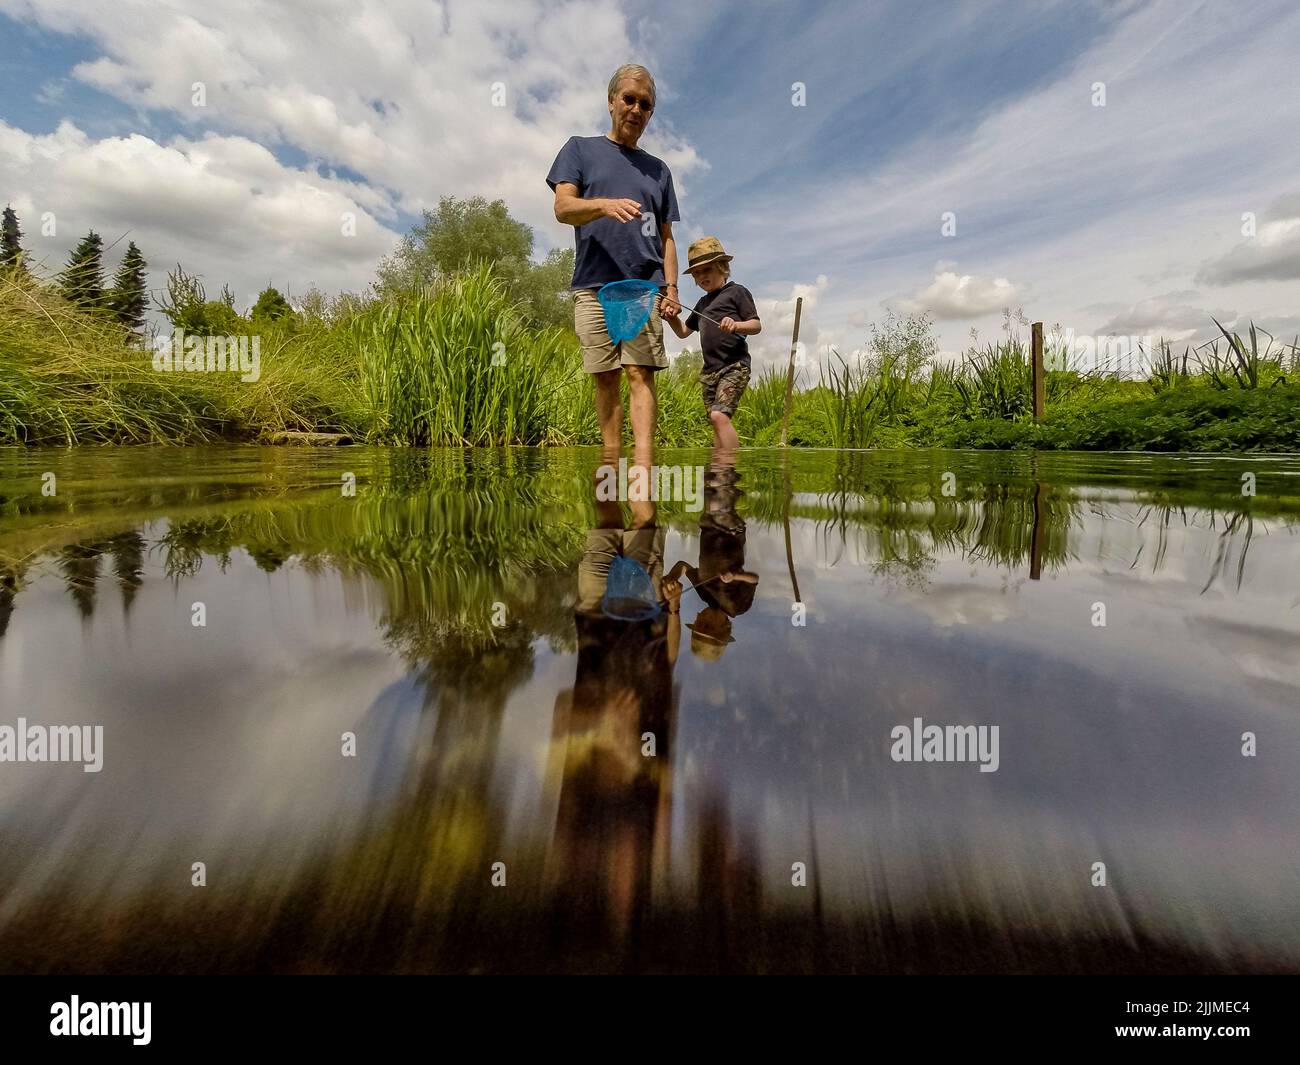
(1127, 218)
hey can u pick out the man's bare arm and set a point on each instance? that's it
(670, 268)
(573, 210)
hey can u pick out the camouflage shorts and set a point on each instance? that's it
(723, 388)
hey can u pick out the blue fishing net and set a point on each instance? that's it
(627, 306)
(629, 592)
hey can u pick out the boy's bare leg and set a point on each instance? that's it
(609, 409)
(641, 398)
(724, 433)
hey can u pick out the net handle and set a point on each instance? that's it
(700, 314)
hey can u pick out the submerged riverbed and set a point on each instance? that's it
(362, 710)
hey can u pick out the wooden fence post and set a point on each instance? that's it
(1040, 386)
(789, 377)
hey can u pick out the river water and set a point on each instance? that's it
(363, 709)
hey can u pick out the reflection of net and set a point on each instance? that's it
(629, 592)
(627, 306)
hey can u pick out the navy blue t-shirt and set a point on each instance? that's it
(718, 348)
(609, 250)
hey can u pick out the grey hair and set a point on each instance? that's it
(635, 71)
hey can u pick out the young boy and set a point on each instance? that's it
(726, 352)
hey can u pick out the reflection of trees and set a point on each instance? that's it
(900, 536)
(128, 549)
(79, 565)
(9, 579)
(444, 553)
(448, 534)
(1236, 528)
(1007, 511)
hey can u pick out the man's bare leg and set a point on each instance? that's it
(609, 409)
(641, 398)
(642, 471)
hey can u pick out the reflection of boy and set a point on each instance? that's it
(721, 579)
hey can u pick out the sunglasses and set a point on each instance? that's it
(630, 100)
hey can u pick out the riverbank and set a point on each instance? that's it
(456, 365)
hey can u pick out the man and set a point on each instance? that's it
(621, 203)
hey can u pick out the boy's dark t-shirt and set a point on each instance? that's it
(722, 349)
(607, 249)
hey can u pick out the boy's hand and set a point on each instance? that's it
(727, 325)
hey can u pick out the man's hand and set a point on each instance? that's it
(668, 307)
(620, 210)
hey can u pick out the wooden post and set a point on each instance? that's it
(785, 520)
(1039, 531)
(789, 377)
(1040, 385)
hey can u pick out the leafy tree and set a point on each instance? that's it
(127, 299)
(11, 236)
(461, 234)
(82, 280)
(544, 289)
(270, 305)
(464, 233)
(316, 305)
(187, 307)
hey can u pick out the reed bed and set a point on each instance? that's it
(457, 364)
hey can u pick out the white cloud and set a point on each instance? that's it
(1069, 205)
(400, 93)
(1165, 316)
(772, 346)
(961, 296)
(1081, 202)
(1272, 254)
(221, 206)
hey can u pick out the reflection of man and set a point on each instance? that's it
(612, 733)
(721, 579)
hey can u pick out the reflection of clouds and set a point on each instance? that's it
(1258, 651)
(961, 604)
(221, 744)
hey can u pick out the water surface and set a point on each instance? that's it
(448, 616)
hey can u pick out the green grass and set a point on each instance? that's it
(69, 377)
(457, 364)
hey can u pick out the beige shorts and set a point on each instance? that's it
(645, 545)
(599, 353)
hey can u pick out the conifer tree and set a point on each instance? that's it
(128, 298)
(11, 236)
(82, 280)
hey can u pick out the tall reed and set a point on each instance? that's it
(454, 364)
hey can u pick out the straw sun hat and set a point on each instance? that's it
(704, 251)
